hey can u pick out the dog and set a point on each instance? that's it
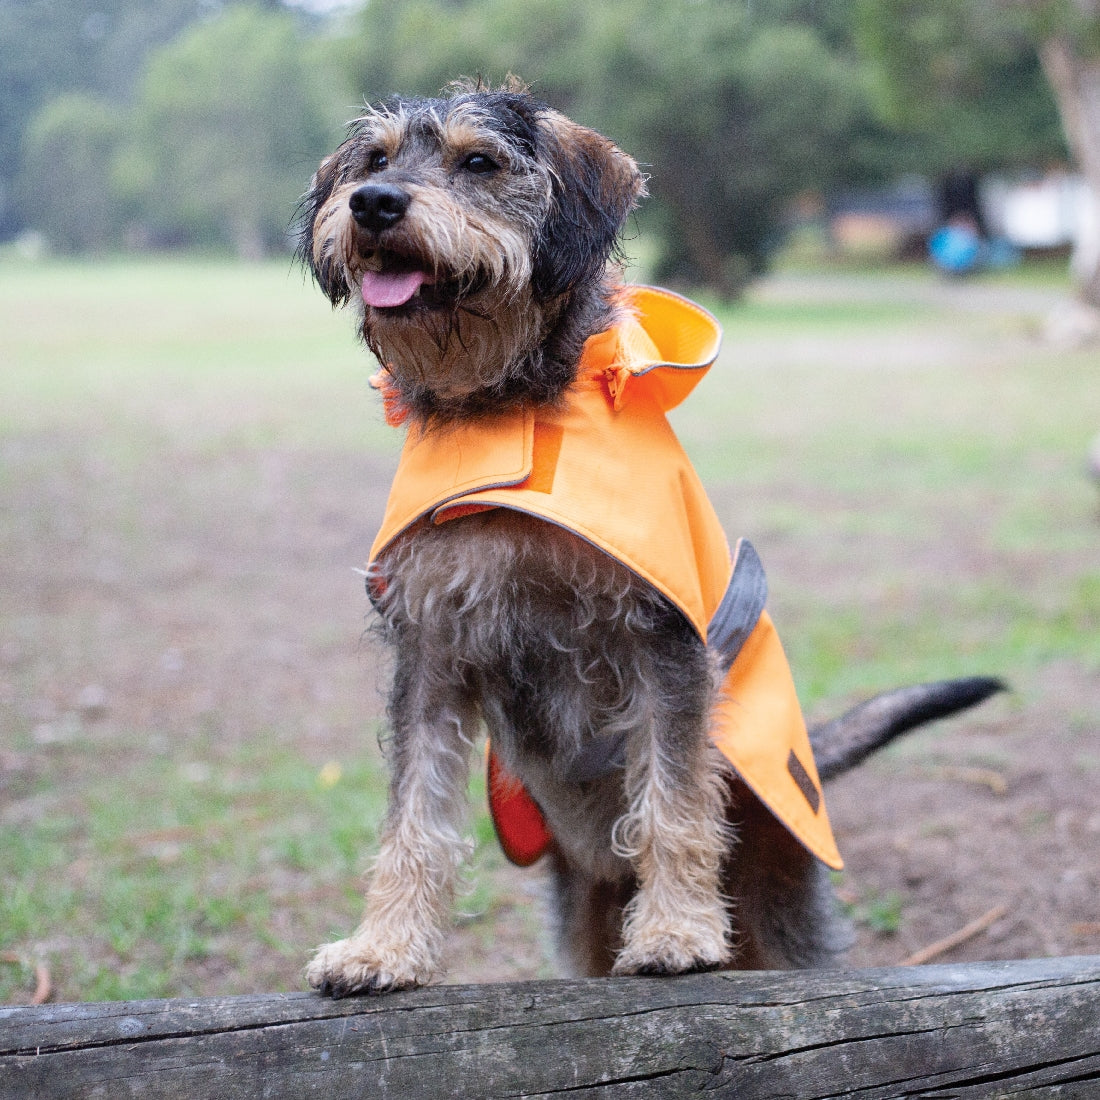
(646, 743)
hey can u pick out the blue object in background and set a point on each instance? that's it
(956, 249)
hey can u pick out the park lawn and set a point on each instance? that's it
(193, 466)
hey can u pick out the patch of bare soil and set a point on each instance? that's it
(994, 815)
(194, 592)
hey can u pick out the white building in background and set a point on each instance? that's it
(1053, 211)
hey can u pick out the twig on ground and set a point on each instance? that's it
(43, 986)
(956, 939)
(981, 777)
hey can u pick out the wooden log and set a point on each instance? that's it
(993, 1029)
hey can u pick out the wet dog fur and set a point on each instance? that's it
(473, 235)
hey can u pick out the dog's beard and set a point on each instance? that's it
(478, 345)
(446, 300)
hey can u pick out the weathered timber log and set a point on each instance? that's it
(993, 1029)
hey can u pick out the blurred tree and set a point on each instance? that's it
(734, 107)
(1070, 51)
(69, 151)
(50, 47)
(965, 77)
(740, 113)
(962, 79)
(227, 126)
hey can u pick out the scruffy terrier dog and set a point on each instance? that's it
(473, 235)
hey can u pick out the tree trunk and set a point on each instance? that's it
(1075, 79)
(974, 1031)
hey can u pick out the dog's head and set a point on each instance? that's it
(467, 227)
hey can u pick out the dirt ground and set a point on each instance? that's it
(223, 616)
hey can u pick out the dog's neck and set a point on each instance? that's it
(474, 365)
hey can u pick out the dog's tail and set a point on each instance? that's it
(846, 741)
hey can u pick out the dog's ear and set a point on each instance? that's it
(594, 186)
(320, 261)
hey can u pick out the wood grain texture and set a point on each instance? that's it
(1027, 1028)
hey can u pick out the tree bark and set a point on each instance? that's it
(1075, 80)
(982, 1030)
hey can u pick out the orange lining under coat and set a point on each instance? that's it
(607, 466)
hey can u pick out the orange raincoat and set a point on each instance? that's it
(607, 466)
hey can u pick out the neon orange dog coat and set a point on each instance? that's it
(607, 466)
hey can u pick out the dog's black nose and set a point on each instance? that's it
(378, 205)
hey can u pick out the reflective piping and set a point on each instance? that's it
(738, 613)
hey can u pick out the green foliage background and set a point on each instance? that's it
(154, 123)
(960, 77)
(733, 108)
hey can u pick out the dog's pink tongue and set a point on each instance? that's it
(387, 289)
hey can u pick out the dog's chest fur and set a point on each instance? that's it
(559, 648)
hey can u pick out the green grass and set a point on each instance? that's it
(133, 343)
(150, 872)
(883, 915)
(191, 462)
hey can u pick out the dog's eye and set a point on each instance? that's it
(479, 164)
(377, 161)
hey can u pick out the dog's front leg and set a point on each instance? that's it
(675, 835)
(411, 886)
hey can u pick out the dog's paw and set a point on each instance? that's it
(351, 967)
(672, 952)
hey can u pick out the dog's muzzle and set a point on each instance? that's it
(397, 281)
(378, 206)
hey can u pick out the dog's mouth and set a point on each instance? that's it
(399, 280)
(398, 284)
